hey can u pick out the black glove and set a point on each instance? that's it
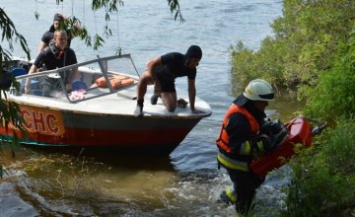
(273, 141)
(271, 127)
(280, 137)
(266, 142)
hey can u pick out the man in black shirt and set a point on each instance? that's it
(58, 23)
(162, 72)
(56, 55)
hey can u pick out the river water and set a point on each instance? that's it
(186, 183)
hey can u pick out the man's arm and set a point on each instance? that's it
(41, 47)
(33, 69)
(192, 95)
(153, 63)
(72, 23)
(239, 131)
(74, 74)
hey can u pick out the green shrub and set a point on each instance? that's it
(334, 95)
(323, 177)
(304, 45)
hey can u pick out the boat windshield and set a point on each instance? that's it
(82, 81)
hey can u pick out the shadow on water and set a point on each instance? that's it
(117, 158)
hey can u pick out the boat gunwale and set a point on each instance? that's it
(173, 116)
(77, 65)
(24, 101)
(83, 68)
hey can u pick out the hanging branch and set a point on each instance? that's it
(8, 109)
(175, 7)
(111, 6)
(10, 33)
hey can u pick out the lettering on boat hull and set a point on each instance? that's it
(43, 121)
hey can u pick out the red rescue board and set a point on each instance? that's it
(300, 132)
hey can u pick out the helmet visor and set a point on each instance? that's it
(269, 96)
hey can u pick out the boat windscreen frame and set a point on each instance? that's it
(103, 66)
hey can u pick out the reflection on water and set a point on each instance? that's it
(110, 156)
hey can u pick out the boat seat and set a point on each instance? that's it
(79, 85)
(21, 71)
(18, 72)
(37, 92)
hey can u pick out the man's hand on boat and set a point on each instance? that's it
(68, 87)
(196, 111)
(181, 103)
(27, 86)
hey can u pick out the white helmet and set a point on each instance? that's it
(259, 90)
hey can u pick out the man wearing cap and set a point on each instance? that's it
(240, 141)
(56, 55)
(58, 23)
(162, 72)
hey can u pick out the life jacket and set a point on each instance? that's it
(60, 56)
(223, 140)
(56, 51)
(116, 81)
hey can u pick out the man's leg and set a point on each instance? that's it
(169, 100)
(245, 185)
(156, 95)
(168, 92)
(143, 82)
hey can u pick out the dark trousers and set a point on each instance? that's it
(245, 185)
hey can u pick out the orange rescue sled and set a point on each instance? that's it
(116, 81)
(299, 132)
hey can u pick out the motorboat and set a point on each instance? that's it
(98, 111)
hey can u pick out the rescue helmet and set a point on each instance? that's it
(259, 90)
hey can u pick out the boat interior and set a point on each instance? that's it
(93, 78)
